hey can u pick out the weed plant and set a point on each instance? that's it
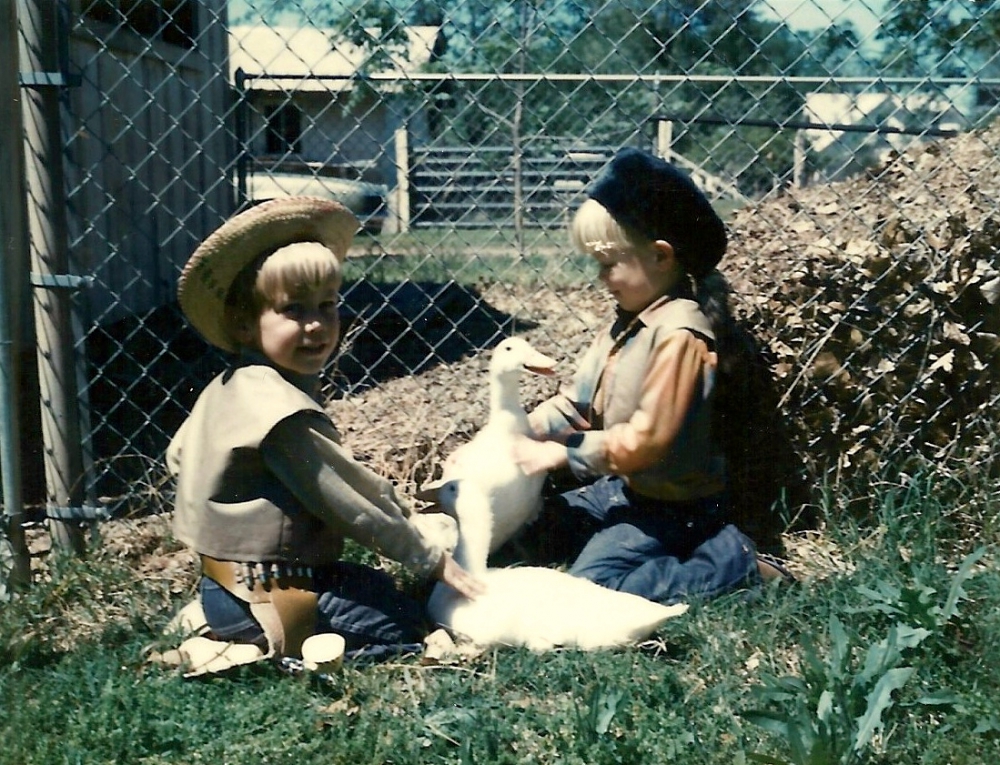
(887, 651)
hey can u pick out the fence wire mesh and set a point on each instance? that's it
(848, 144)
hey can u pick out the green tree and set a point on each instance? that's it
(674, 38)
(943, 38)
(718, 39)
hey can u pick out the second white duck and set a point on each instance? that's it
(538, 608)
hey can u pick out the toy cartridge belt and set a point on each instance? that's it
(256, 582)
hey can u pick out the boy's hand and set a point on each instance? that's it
(537, 456)
(456, 577)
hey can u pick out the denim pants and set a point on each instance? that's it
(663, 551)
(357, 602)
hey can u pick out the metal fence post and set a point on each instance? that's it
(12, 275)
(41, 24)
(242, 130)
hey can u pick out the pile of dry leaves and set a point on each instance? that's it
(877, 298)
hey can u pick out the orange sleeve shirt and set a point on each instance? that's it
(672, 383)
(640, 405)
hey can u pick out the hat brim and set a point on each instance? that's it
(211, 269)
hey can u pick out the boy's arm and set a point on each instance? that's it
(562, 415)
(304, 452)
(558, 417)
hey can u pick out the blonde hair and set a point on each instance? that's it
(275, 275)
(294, 268)
(594, 230)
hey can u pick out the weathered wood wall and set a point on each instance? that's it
(148, 157)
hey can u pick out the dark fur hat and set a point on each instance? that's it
(660, 201)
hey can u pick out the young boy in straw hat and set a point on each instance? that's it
(266, 493)
(635, 426)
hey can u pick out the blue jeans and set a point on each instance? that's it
(355, 601)
(663, 551)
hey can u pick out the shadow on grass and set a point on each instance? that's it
(395, 329)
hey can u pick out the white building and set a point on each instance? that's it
(315, 114)
(885, 110)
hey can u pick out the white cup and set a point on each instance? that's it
(323, 653)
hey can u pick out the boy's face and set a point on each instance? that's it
(299, 332)
(637, 277)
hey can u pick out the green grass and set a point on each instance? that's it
(889, 654)
(474, 270)
(470, 257)
(501, 237)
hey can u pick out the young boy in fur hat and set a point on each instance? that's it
(634, 427)
(266, 493)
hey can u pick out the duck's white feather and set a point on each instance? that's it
(488, 460)
(530, 606)
(542, 608)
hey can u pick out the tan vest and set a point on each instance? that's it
(692, 467)
(228, 505)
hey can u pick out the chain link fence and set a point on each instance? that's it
(848, 145)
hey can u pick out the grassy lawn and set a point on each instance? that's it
(887, 651)
(469, 257)
(501, 236)
(473, 255)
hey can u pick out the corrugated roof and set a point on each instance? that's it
(287, 54)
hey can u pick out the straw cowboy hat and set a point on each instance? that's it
(238, 242)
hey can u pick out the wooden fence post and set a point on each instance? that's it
(664, 138)
(398, 218)
(799, 160)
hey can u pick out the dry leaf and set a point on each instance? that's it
(945, 362)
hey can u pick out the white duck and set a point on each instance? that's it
(486, 463)
(539, 608)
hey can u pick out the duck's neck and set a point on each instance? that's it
(475, 520)
(473, 548)
(505, 406)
